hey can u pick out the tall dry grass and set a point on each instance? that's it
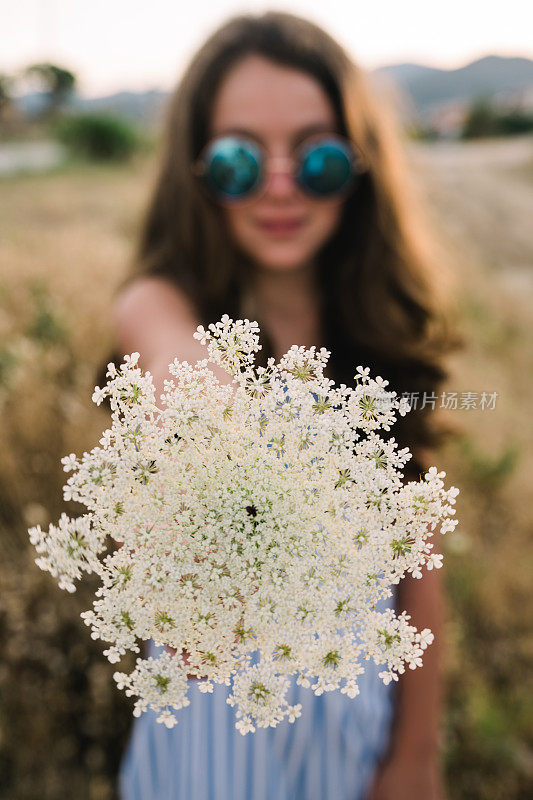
(66, 239)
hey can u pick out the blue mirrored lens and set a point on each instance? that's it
(326, 169)
(233, 167)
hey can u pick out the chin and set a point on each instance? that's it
(283, 262)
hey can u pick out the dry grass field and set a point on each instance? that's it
(65, 242)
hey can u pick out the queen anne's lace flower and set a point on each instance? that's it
(257, 524)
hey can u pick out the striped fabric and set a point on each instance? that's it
(329, 753)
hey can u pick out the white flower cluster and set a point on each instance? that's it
(262, 519)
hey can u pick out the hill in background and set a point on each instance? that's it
(424, 95)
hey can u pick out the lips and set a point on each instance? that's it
(281, 226)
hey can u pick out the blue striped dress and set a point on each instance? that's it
(329, 753)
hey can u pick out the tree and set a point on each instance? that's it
(6, 98)
(481, 119)
(58, 83)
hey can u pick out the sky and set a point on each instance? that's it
(144, 44)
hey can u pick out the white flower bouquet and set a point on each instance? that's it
(250, 528)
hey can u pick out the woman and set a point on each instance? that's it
(282, 197)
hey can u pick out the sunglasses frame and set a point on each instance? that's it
(294, 162)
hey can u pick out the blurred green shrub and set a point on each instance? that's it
(489, 470)
(420, 132)
(485, 119)
(481, 120)
(98, 137)
(516, 122)
(45, 326)
(8, 360)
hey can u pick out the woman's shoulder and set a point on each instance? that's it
(149, 312)
(146, 293)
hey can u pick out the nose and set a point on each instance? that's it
(280, 177)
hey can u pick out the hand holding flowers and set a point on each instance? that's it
(262, 519)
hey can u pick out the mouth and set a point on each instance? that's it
(281, 226)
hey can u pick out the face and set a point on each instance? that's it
(281, 228)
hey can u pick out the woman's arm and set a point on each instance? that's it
(416, 728)
(154, 317)
(412, 767)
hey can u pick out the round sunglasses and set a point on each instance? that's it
(234, 167)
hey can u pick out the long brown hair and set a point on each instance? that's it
(382, 282)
